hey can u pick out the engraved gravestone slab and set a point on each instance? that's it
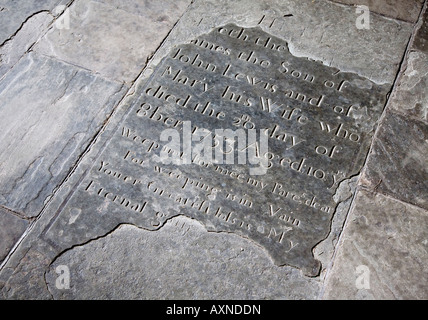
(301, 128)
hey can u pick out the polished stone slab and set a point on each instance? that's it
(383, 252)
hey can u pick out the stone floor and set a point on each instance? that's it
(69, 69)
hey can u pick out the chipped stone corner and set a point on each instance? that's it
(325, 250)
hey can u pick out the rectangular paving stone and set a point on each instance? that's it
(407, 10)
(397, 164)
(112, 38)
(50, 111)
(383, 252)
(12, 228)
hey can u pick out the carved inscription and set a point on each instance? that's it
(304, 128)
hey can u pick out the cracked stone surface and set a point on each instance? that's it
(12, 228)
(13, 14)
(180, 261)
(397, 164)
(407, 10)
(112, 38)
(61, 87)
(411, 98)
(385, 241)
(50, 112)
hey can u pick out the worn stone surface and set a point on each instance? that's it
(112, 38)
(245, 83)
(12, 228)
(407, 10)
(14, 14)
(73, 220)
(50, 112)
(411, 96)
(13, 49)
(180, 261)
(397, 164)
(320, 30)
(421, 37)
(388, 238)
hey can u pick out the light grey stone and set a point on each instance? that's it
(407, 10)
(397, 164)
(13, 49)
(14, 14)
(180, 261)
(411, 96)
(11, 229)
(383, 252)
(112, 38)
(50, 112)
(320, 30)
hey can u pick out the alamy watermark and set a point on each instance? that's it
(363, 20)
(63, 280)
(221, 146)
(363, 277)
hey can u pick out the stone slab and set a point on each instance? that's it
(180, 261)
(309, 29)
(397, 165)
(112, 38)
(50, 112)
(233, 79)
(411, 96)
(12, 228)
(14, 48)
(320, 30)
(383, 252)
(13, 14)
(407, 10)
(421, 37)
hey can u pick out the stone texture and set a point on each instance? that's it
(389, 238)
(180, 261)
(12, 228)
(397, 165)
(112, 38)
(14, 14)
(13, 49)
(320, 30)
(286, 216)
(407, 10)
(50, 112)
(411, 96)
(421, 37)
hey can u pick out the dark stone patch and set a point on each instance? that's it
(397, 165)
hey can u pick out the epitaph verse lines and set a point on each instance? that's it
(236, 132)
